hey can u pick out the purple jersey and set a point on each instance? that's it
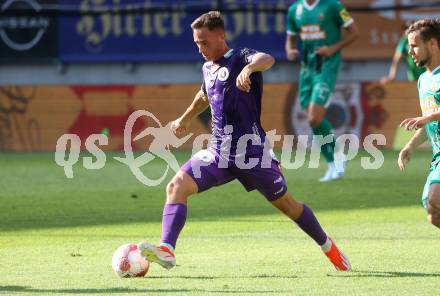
(231, 107)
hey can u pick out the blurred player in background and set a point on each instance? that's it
(412, 70)
(424, 47)
(317, 23)
(232, 88)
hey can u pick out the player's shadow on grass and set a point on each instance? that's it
(259, 276)
(26, 289)
(384, 274)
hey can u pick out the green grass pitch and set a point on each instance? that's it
(57, 235)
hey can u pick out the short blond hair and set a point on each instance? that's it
(427, 28)
(211, 20)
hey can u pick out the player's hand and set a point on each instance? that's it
(292, 54)
(243, 80)
(414, 123)
(179, 127)
(386, 79)
(326, 51)
(404, 157)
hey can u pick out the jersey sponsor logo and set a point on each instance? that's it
(345, 16)
(431, 111)
(223, 74)
(429, 106)
(312, 32)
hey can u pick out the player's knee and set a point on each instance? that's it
(429, 218)
(433, 213)
(434, 220)
(175, 192)
(314, 119)
(171, 187)
(178, 190)
(175, 187)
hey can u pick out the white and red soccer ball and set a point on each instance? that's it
(127, 261)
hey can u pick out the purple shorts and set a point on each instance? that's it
(207, 171)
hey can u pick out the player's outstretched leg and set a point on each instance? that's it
(173, 221)
(303, 216)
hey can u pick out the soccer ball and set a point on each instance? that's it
(127, 261)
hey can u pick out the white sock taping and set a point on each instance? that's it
(326, 246)
(170, 247)
(331, 166)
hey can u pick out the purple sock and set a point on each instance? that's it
(173, 220)
(310, 225)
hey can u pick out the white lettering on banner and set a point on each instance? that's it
(164, 138)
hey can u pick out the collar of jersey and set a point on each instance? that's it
(436, 69)
(310, 7)
(228, 54)
(429, 74)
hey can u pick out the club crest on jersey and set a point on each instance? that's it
(223, 74)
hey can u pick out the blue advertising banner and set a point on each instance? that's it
(160, 30)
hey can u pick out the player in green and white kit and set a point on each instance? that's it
(412, 71)
(424, 47)
(318, 24)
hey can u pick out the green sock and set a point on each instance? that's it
(325, 128)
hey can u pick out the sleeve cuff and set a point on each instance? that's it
(348, 23)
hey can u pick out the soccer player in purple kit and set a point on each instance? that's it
(232, 88)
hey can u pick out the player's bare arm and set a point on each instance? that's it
(405, 154)
(351, 34)
(418, 122)
(393, 68)
(291, 50)
(260, 62)
(199, 104)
